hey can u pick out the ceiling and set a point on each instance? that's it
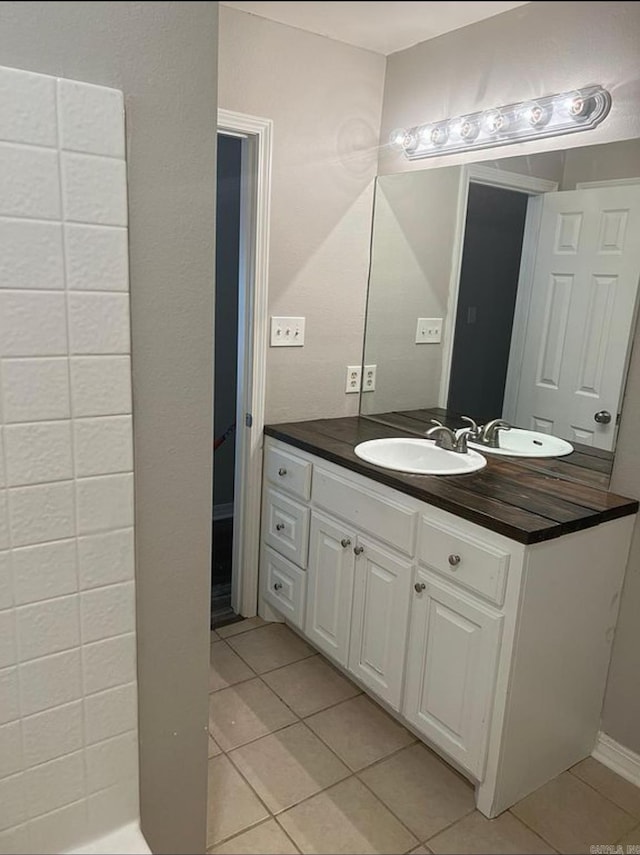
(383, 27)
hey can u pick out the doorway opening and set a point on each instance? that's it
(241, 321)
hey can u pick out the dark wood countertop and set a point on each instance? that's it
(524, 499)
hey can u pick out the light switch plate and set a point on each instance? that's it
(287, 332)
(429, 331)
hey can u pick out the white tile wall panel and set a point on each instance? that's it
(98, 323)
(31, 254)
(27, 107)
(91, 118)
(9, 697)
(104, 559)
(41, 513)
(105, 503)
(35, 389)
(48, 627)
(53, 733)
(10, 749)
(44, 571)
(93, 189)
(68, 739)
(109, 663)
(96, 258)
(49, 682)
(55, 784)
(101, 385)
(38, 452)
(33, 323)
(29, 183)
(103, 445)
(112, 761)
(6, 586)
(110, 713)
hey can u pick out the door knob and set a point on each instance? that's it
(358, 550)
(277, 586)
(282, 472)
(279, 526)
(603, 417)
(345, 542)
(419, 587)
(454, 560)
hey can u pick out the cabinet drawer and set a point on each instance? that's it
(289, 472)
(379, 516)
(475, 565)
(286, 527)
(283, 586)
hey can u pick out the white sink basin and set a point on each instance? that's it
(418, 456)
(527, 443)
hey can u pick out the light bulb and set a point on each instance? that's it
(468, 130)
(577, 106)
(496, 122)
(536, 115)
(397, 138)
(439, 135)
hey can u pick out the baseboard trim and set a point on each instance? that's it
(222, 512)
(616, 757)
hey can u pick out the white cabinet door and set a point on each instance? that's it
(330, 586)
(381, 598)
(451, 665)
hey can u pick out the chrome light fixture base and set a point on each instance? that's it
(550, 116)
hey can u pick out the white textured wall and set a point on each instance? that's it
(324, 98)
(68, 720)
(544, 47)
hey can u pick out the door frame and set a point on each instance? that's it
(257, 136)
(479, 174)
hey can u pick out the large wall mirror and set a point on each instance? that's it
(507, 289)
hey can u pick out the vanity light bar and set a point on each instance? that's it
(550, 116)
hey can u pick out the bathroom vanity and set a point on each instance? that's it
(478, 609)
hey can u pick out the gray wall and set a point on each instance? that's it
(544, 48)
(163, 56)
(324, 98)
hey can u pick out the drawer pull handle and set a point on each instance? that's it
(282, 471)
(279, 526)
(277, 586)
(345, 542)
(419, 587)
(358, 550)
(454, 560)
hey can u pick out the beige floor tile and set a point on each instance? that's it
(264, 839)
(233, 806)
(631, 838)
(270, 647)
(241, 626)
(346, 818)
(421, 790)
(623, 793)
(571, 816)
(476, 835)
(359, 731)
(420, 850)
(245, 712)
(214, 748)
(310, 685)
(226, 668)
(288, 766)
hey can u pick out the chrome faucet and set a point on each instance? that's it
(448, 439)
(489, 434)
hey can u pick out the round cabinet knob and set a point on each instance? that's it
(279, 526)
(419, 587)
(345, 542)
(277, 586)
(602, 417)
(454, 560)
(358, 550)
(282, 471)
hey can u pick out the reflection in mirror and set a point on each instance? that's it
(507, 289)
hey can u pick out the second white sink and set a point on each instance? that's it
(418, 456)
(527, 443)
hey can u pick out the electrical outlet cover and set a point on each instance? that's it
(354, 378)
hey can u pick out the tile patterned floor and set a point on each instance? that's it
(300, 761)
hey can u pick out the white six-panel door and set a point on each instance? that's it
(581, 314)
